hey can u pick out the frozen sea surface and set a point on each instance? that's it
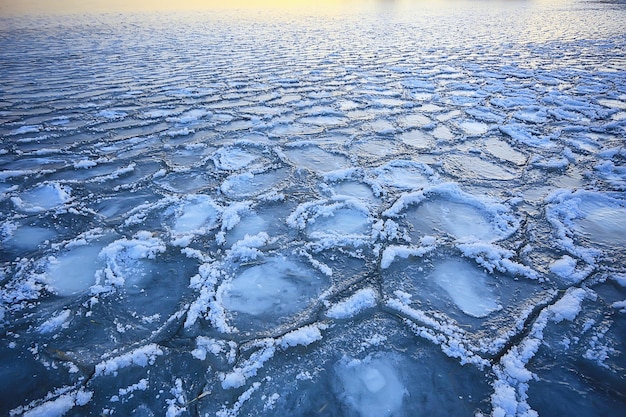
(385, 211)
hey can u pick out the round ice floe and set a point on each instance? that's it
(127, 261)
(185, 182)
(414, 120)
(595, 217)
(123, 202)
(189, 155)
(473, 127)
(232, 158)
(617, 104)
(195, 215)
(443, 132)
(42, 197)
(293, 129)
(353, 189)
(254, 293)
(325, 120)
(417, 138)
(73, 271)
(316, 159)
(370, 387)
(468, 166)
(502, 150)
(369, 149)
(26, 129)
(344, 221)
(613, 174)
(269, 220)
(28, 237)
(447, 209)
(404, 175)
(467, 286)
(603, 224)
(334, 218)
(381, 127)
(250, 224)
(461, 220)
(249, 184)
(531, 114)
(238, 125)
(272, 290)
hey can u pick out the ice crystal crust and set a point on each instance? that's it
(388, 212)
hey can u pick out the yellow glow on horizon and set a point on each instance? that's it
(16, 7)
(64, 7)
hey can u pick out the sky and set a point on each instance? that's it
(12, 7)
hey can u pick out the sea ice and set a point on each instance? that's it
(316, 159)
(119, 205)
(327, 120)
(54, 323)
(467, 287)
(446, 208)
(189, 155)
(357, 302)
(294, 129)
(375, 149)
(112, 114)
(250, 224)
(501, 149)
(74, 270)
(467, 166)
(443, 133)
(271, 290)
(344, 221)
(473, 128)
(250, 184)
(594, 216)
(26, 129)
(353, 189)
(29, 237)
(603, 224)
(233, 158)
(413, 120)
(340, 218)
(564, 267)
(381, 127)
(242, 224)
(141, 356)
(370, 387)
(461, 220)
(184, 182)
(196, 215)
(42, 197)
(405, 175)
(126, 261)
(417, 138)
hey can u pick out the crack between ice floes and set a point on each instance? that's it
(170, 329)
(526, 327)
(532, 317)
